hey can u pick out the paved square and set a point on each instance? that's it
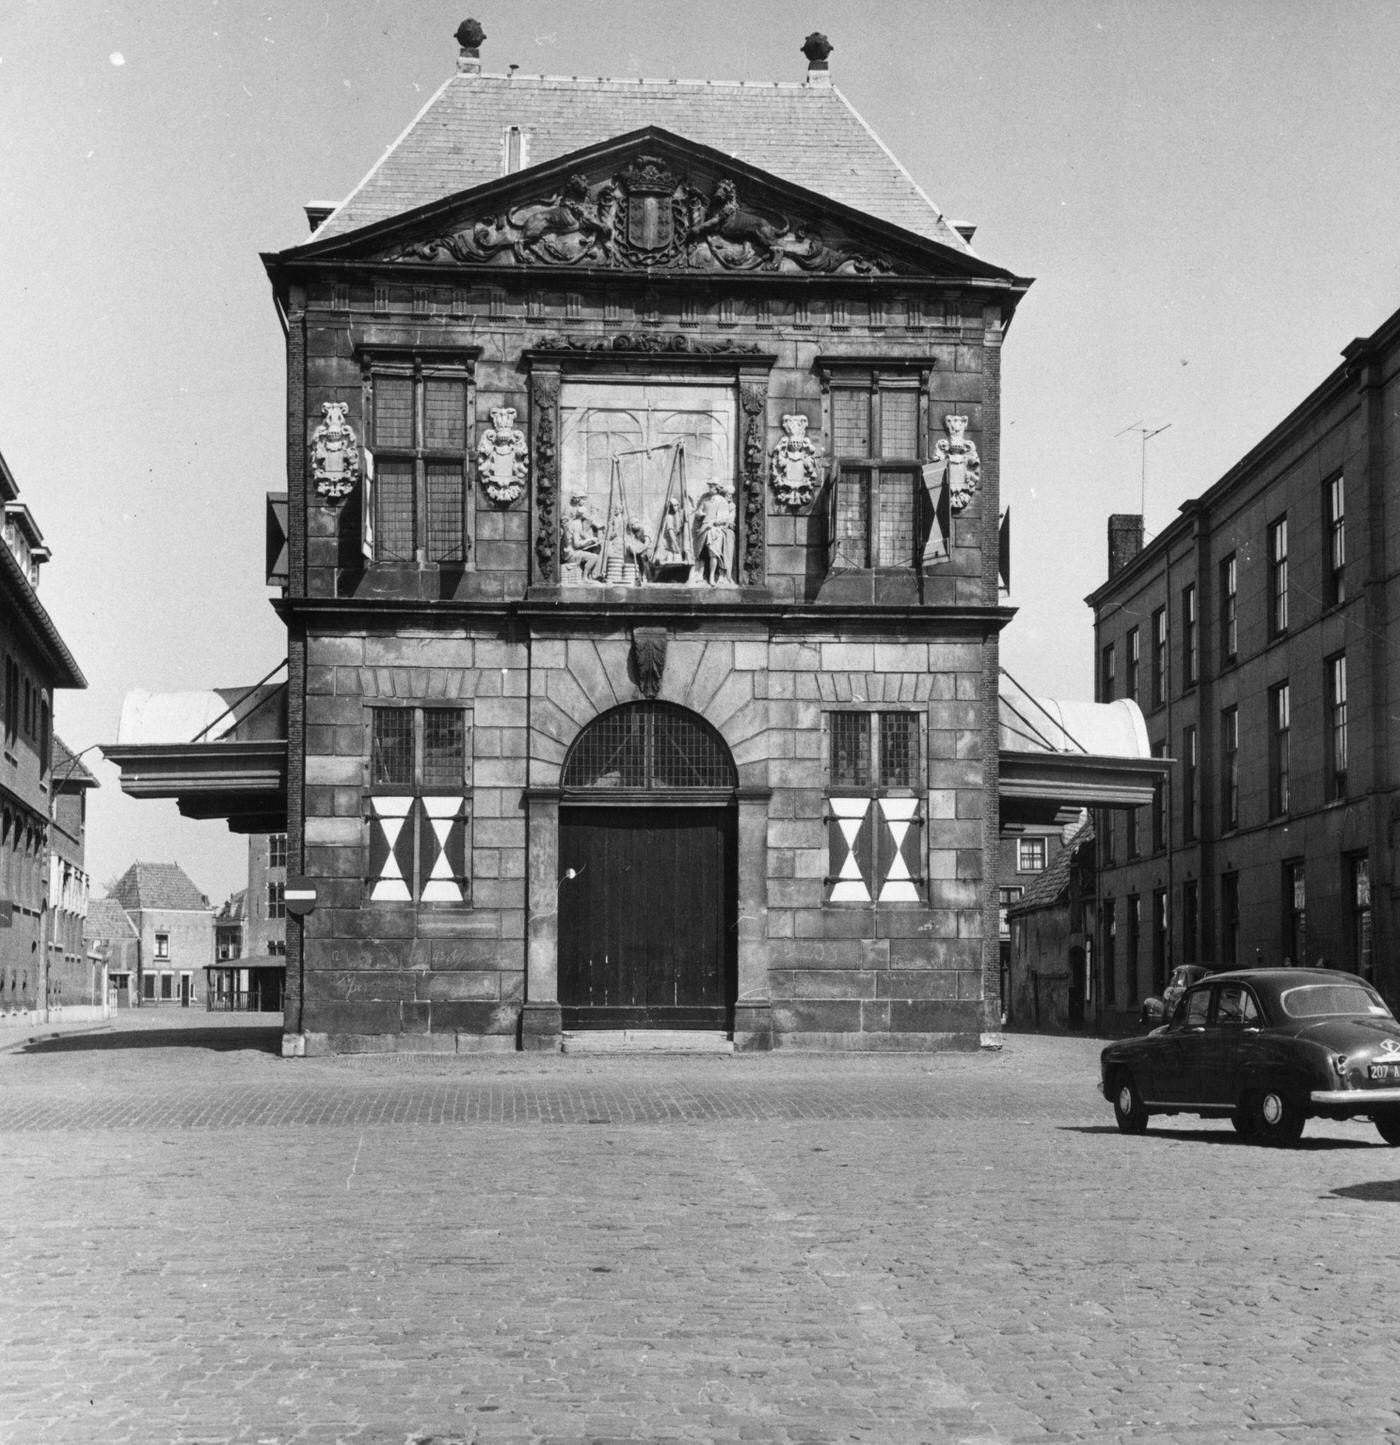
(205, 1243)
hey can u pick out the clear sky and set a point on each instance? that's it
(1205, 192)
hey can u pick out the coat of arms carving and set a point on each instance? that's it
(648, 215)
(335, 453)
(502, 457)
(957, 463)
(795, 464)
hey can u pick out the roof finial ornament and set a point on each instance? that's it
(816, 48)
(469, 37)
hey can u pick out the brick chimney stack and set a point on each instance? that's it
(1124, 540)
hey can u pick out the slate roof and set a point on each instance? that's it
(106, 918)
(68, 769)
(1050, 886)
(158, 885)
(809, 135)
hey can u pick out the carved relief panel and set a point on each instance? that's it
(647, 479)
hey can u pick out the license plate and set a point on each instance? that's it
(1385, 1071)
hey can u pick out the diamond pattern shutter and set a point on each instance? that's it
(442, 850)
(897, 850)
(390, 849)
(849, 852)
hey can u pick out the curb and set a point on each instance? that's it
(47, 1033)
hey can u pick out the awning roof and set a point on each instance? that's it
(1057, 757)
(220, 753)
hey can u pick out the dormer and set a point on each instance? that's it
(25, 541)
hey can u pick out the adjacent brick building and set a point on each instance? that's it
(1257, 632)
(36, 892)
(641, 578)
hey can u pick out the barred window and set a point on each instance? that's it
(875, 813)
(649, 746)
(873, 511)
(417, 806)
(416, 496)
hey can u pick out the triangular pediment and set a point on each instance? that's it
(654, 202)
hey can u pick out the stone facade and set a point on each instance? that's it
(437, 921)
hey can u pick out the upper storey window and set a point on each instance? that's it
(875, 434)
(647, 476)
(1335, 504)
(1278, 577)
(417, 497)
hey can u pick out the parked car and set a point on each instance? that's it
(1268, 1049)
(1157, 1008)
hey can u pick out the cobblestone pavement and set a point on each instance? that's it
(201, 1242)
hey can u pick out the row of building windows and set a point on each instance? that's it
(418, 798)
(1298, 946)
(168, 986)
(1281, 798)
(26, 710)
(1335, 592)
(419, 498)
(22, 846)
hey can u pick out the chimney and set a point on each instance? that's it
(1124, 540)
(817, 48)
(469, 37)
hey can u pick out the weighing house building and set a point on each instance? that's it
(640, 564)
(641, 577)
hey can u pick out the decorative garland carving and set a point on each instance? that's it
(648, 343)
(335, 453)
(753, 400)
(502, 457)
(957, 459)
(545, 399)
(795, 464)
(648, 216)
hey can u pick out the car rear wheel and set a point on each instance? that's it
(1388, 1123)
(1128, 1108)
(1243, 1120)
(1275, 1119)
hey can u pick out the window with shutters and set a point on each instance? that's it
(418, 805)
(874, 807)
(877, 514)
(416, 494)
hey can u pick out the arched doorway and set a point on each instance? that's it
(647, 873)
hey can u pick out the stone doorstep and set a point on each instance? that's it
(646, 1041)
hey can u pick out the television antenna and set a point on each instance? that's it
(1147, 433)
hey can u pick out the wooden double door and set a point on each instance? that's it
(647, 922)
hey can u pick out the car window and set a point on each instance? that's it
(1319, 1000)
(1235, 1006)
(1197, 1007)
(1230, 1008)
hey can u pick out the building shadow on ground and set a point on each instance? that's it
(255, 1038)
(1379, 1191)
